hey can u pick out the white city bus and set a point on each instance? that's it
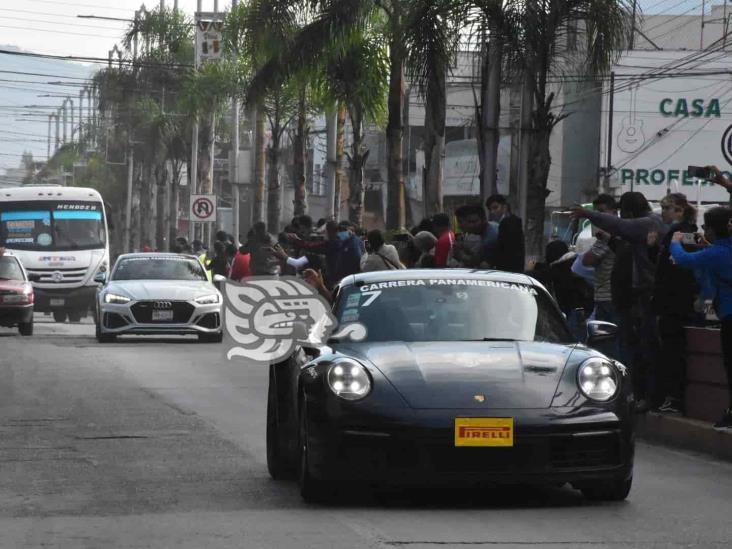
(60, 234)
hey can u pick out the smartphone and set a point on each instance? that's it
(688, 239)
(698, 172)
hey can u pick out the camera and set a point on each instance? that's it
(698, 172)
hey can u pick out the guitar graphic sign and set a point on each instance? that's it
(631, 137)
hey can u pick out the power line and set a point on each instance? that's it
(78, 4)
(127, 62)
(58, 31)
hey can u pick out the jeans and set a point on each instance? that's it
(605, 312)
(726, 334)
(645, 360)
(672, 355)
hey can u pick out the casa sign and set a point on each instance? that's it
(690, 107)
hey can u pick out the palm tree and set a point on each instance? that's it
(546, 39)
(432, 38)
(356, 77)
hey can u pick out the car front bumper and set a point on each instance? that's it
(12, 315)
(81, 298)
(118, 319)
(555, 445)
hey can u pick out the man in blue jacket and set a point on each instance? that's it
(716, 262)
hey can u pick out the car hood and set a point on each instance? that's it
(457, 374)
(171, 290)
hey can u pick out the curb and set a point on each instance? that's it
(685, 433)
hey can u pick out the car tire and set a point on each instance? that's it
(75, 317)
(312, 490)
(278, 464)
(211, 338)
(612, 490)
(26, 328)
(102, 337)
(59, 316)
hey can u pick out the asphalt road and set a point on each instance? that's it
(160, 443)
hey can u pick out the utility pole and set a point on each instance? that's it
(48, 152)
(65, 119)
(631, 45)
(609, 155)
(193, 183)
(234, 161)
(331, 131)
(58, 130)
(81, 120)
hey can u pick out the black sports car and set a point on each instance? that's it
(461, 376)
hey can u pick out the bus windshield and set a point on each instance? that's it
(52, 226)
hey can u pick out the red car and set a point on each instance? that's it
(16, 295)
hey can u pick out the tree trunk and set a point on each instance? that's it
(434, 144)
(340, 154)
(539, 164)
(260, 159)
(300, 158)
(490, 115)
(357, 161)
(274, 199)
(395, 213)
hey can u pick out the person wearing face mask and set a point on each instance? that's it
(342, 250)
(673, 300)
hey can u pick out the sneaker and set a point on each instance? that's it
(726, 421)
(670, 406)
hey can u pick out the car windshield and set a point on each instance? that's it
(158, 268)
(10, 269)
(55, 226)
(452, 310)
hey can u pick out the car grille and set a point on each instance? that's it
(59, 276)
(143, 311)
(585, 452)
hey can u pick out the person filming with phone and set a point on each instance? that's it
(716, 262)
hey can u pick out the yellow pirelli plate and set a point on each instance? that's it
(484, 431)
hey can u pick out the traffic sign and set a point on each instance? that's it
(209, 36)
(203, 207)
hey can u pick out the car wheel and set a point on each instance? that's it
(211, 338)
(102, 337)
(59, 316)
(278, 465)
(312, 490)
(26, 328)
(612, 490)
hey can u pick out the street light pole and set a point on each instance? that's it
(58, 130)
(193, 183)
(234, 161)
(81, 119)
(48, 152)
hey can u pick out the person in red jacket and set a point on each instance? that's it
(445, 239)
(240, 266)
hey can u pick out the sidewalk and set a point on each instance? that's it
(685, 433)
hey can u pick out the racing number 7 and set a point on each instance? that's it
(372, 297)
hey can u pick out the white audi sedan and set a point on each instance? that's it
(158, 294)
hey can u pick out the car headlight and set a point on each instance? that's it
(349, 379)
(114, 298)
(208, 299)
(598, 379)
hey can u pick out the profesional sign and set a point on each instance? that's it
(667, 119)
(203, 207)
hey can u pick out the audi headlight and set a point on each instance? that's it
(114, 298)
(208, 299)
(598, 379)
(349, 379)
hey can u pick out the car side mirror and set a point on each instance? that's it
(100, 278)
(219, 278)
(598, 331)
(34, 277)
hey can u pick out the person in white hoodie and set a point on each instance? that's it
(380, 256)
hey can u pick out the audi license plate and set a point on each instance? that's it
(484, 431)
(161, 316)
(58, 302)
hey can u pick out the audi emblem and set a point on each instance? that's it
(162, 305)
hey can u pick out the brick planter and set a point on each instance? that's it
(706, 394)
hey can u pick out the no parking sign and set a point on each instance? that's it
(203, 207)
